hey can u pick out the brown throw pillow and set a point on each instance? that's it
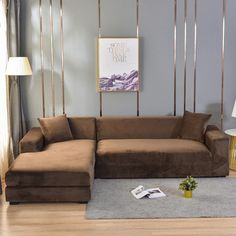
(55, 129)
(194, 125)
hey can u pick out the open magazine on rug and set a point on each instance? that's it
(140, 192)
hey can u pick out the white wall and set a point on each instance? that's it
(118, 18)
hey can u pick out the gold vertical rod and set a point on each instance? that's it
(222, 67)
(137, 18)
(52, 59)
(42, 56)
(185, 51)
(175, 38)
(62, 58)
(137, 35)
(99, 19)
(99, 35)
(195, 57)
(100, 99)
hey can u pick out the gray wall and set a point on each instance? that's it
(118, 18)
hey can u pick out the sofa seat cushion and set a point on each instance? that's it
(152, 158)
(69, 163)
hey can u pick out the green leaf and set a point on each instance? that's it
(189, 184)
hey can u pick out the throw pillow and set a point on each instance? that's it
(194, 125)
(55, 129)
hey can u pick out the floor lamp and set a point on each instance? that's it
(16, 66)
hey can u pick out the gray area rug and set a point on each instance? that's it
(111, 199)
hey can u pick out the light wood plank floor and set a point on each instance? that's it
(69, 219)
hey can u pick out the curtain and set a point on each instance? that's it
(18, 128)
(5, 153)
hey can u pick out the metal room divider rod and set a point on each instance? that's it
(62, 58)
(195, 57)
(175, 46)
(52, 58)
(99, 36)
(222, 67)
(137, 35)
(42, 56)
(185, 51)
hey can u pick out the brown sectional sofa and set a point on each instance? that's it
(125, 147)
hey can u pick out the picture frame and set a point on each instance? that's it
(118, 64)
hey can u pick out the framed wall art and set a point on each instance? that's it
(118, 64)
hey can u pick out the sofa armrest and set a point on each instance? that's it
(33, 141)
(218, 144)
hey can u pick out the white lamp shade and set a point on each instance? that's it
(18, 66)
(234, 110)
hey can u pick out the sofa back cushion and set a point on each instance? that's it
(138, 127)
(55, 129)
(83, 127)
(194, 125)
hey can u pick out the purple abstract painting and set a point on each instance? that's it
(125, 82)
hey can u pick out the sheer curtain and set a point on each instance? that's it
(17, 124)
(4, 93)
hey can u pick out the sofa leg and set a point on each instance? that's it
(14, 203)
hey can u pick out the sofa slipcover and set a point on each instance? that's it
(125, 147)
(140, 158)
(147, 147)
(62, 164)
(58, 172)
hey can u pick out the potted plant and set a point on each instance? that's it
(187, 186)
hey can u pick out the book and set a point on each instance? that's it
(140, 192)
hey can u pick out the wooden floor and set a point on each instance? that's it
(69, 219)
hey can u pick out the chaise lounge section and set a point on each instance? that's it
(58, 172)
